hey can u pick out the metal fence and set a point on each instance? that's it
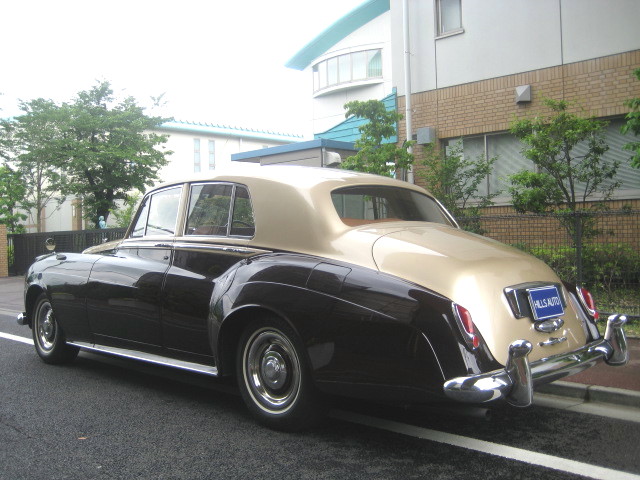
(600, 250)
(25, 247)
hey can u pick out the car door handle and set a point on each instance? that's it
(163, 245)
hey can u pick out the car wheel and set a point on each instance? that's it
(274, 377)
(48, 336)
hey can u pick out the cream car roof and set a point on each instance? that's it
(293, 209)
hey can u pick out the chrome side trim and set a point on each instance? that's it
(219, 248)
(149, 358)
(515, 384)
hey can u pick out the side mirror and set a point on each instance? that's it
(50, 244)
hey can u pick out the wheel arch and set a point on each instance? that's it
(231, 330)
(33, 292)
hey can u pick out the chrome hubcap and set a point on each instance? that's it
(271, 370)
(274, 370)
(46, 328)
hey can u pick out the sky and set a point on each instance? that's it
(215, 61)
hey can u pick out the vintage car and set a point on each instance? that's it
(305, 283)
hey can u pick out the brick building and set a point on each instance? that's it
(477, 66)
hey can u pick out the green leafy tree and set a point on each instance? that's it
(455, 180)
(125, 213)
(373, 155)
(30, 142)
(633, 125)
(567, 150)
(550, 143)
(12, 192)
(109, 149)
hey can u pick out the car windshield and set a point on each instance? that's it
(370, 204)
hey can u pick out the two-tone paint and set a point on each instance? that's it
(376, 305)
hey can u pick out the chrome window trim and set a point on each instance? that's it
(146, 198)
(219, 248)
(230, 213)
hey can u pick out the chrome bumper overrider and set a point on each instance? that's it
(515, 382)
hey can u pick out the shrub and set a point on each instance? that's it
(605, 266)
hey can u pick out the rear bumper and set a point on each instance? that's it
(516, 381)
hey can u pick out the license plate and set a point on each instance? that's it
(545, 302)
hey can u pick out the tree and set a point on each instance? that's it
(12, 192)
(455, 180)
(125, 214)
(373, 155)
(633, 125)
(108, 149)
(30, 142)
(568, 150)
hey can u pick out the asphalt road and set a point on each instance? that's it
(115, 419)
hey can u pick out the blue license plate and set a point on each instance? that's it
(545, 302)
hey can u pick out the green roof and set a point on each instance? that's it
(349, 129)
(341, 29)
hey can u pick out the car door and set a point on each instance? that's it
(125, 289)
(219, 223)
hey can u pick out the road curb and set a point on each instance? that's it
(592, 393)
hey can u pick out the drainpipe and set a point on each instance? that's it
(407, 80)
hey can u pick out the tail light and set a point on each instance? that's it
(467, 327)
(587, 302)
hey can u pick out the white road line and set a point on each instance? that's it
(16, 338)
(518, 454)
(512, 453)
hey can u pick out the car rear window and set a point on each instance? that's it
(371, 204)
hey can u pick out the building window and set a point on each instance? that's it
(351, 67)
(448, 16)
(212, 154)
(508, 150)
(196, 155)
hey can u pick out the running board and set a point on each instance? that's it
(149, 358)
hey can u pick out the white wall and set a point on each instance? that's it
(328, 108)
(181, 143)
(596, 28)
(504, 37)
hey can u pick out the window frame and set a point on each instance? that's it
(197, 161)
(142, 208)
(439, 28)
(390, 193)
(626, 191)
(320, 71)
(232, 203)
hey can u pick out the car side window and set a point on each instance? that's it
(158, 213)
(210, 206)
(242, 224)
